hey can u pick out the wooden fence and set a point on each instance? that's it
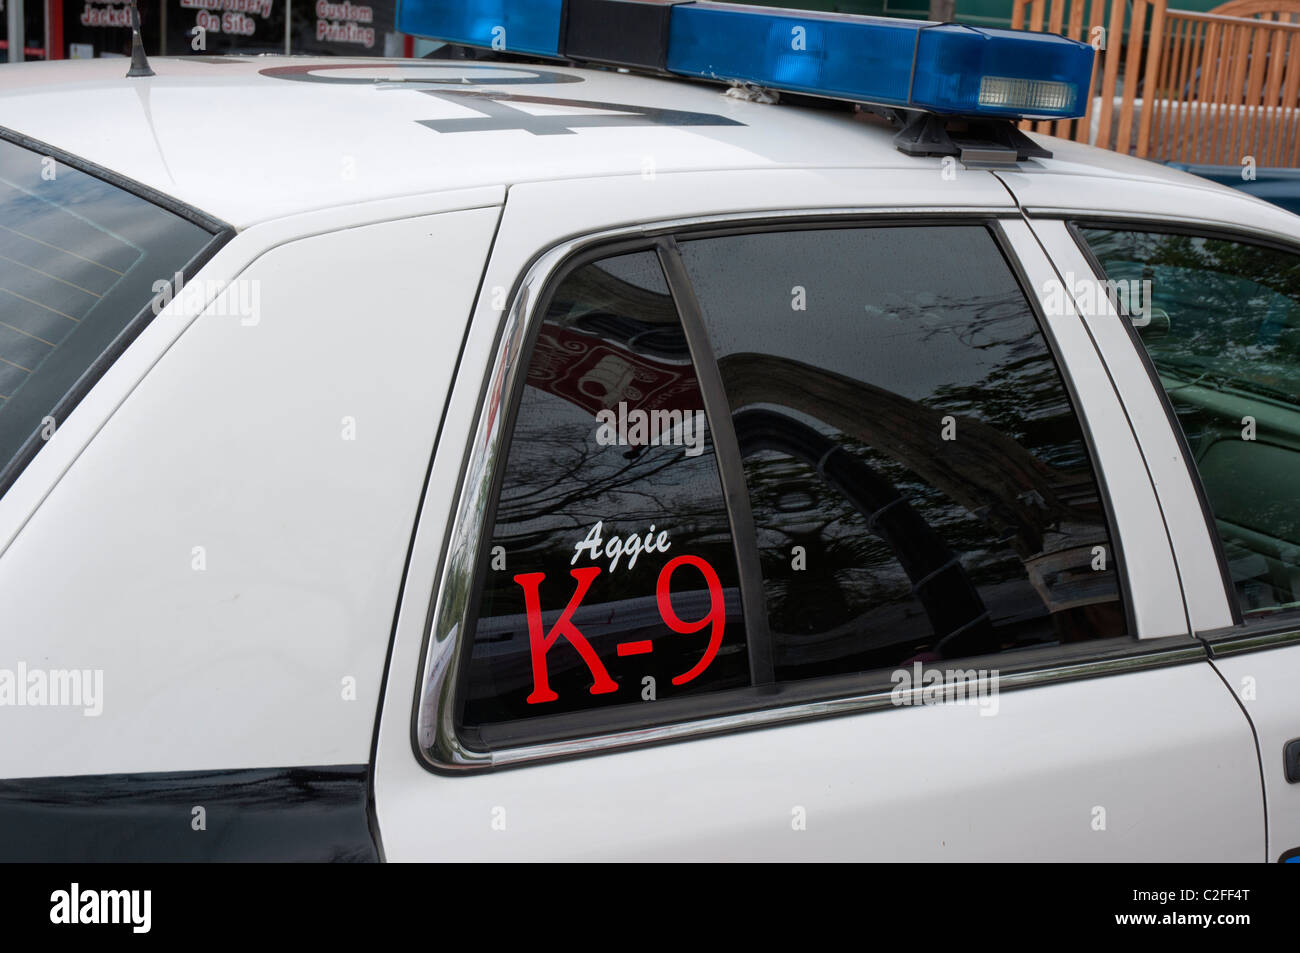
(1194, 87)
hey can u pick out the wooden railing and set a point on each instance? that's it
(1227, 87)
(1090, 22)
(1195, 87)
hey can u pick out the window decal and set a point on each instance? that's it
(610, 576)
(542, 639)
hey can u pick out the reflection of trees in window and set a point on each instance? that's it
(1012, 501)
(1230, 352)
(1234, 309)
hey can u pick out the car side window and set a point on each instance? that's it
(610, 578)
(919, 481)
(906, 481)
(1220, 320)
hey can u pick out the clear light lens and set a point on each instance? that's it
(1034, 95)
(982, 71)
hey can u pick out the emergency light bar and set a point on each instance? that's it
(942, 68)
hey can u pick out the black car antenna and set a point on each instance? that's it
(139, 62)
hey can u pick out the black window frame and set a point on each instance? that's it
(221, 233)
(562, 736)
(1280, 626)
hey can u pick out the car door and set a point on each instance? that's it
(810, 534)
(1211, 371)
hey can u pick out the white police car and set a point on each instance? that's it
(432, 460)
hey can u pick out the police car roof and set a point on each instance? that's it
(251, 138)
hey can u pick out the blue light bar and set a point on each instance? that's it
(1010, 73)
(867, 59)
(515, 26)
(943, 68)
(947, 68)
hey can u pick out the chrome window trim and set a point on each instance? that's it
(1259, 638)
(435, 740)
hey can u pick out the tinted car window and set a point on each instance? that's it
(610, 577)
(918, 478)
(1221, 322)
(78, 262)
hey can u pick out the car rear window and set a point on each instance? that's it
(79, 262)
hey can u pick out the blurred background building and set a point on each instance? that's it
(74, 29)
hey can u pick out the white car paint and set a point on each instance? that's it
(320, 145)
(237, 442)
(1175, 782)
(1265, 684)
(206, 433)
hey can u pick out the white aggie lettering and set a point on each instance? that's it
(633, 546)
(613, 551)
(77, 906)
(591, 544)
(651, 428)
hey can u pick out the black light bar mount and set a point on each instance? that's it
(973, 141)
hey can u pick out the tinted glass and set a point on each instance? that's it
(1221, 321)
(78, 261)
(919, 482)
(611, 578)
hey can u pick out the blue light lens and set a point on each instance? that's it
(943, 68)
(989, 72)
(867, 59)
(519, 26)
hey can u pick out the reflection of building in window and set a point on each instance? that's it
(913, 542)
